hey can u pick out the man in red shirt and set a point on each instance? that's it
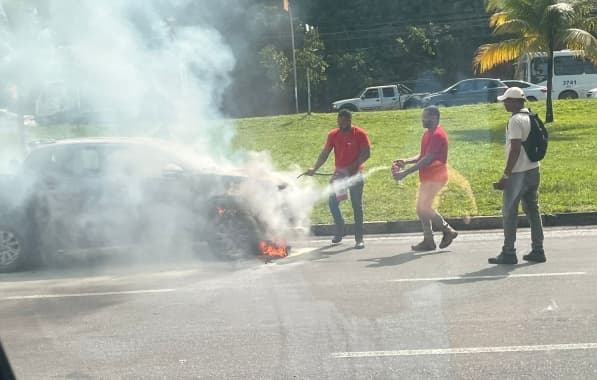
(351, 148)
(431, 163)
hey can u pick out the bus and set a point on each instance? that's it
(573, 75)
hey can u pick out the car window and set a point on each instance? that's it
(371, 93)
(469, 85)
(139, 161)
(568, 65)
(388, 92)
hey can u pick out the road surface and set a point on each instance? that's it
(324, 313)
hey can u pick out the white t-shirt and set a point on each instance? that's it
(519, 127)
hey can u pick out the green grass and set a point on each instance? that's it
(476, 156)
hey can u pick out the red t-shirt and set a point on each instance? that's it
(347, 146)
(436, 142)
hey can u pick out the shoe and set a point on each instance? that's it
(359, 245)
(337, 239)
(449, 235)
(503, 259)
(537, 256)
(425, 245)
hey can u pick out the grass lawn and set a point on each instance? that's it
(476, 155)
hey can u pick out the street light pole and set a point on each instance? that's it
(308, 90)
(293, 57)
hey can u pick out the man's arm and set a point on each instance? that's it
(323, 157)
(363, 156)
(515, 148)
(421, 164)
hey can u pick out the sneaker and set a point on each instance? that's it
(337, 239)
(425, 245)
(503, 259)
(449, 235)
(359, 245)
(537, 256)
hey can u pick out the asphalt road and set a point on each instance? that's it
(324, 313)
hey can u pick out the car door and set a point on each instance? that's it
(157, 189)
(466, 93)
(371, 99)
(490, 89)
(79, 209)
(390, 98)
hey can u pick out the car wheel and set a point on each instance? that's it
(568, 95)
(234, 233)
(531, 99)
(12, 249)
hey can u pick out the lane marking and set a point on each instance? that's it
(124, 292)
(469, 350)
(456, 278)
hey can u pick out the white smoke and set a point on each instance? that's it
(130, 67)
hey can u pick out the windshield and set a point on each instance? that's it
(189, 191)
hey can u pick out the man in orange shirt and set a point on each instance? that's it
(351, 148)
(431, 163)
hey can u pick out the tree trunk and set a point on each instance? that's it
(549, 104)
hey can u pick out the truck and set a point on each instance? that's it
(387, 97)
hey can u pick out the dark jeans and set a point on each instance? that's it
(522, 187)
(356, 198)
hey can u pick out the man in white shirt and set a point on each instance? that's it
(520, 182)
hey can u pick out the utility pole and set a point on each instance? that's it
(293, 56)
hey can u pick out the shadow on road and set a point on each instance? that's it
(400, 258)
(492, 273)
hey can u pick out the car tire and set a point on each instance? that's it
(14, 249)
(531, 99)
(412, 104)
(234, 233)
(568, 95)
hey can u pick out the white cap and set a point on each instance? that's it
(512, 93)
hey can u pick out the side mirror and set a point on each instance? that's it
(172, 171)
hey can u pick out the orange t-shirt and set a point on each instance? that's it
(347, 146)
(436, 142)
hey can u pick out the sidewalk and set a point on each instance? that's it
(475, 223)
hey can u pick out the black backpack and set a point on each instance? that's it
(536, 143)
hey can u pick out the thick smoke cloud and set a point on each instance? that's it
(129, 67)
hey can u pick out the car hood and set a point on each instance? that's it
(346, 100)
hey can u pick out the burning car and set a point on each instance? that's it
(91, 193)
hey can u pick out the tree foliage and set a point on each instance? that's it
(538, 26)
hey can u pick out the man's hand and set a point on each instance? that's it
(501, 184)
(310, 172)
(400, 162)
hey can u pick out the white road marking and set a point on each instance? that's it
(469, 350)
(66, 295)
(455, 278)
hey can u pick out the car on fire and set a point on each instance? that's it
(90, 193)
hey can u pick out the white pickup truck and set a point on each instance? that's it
(389, 97)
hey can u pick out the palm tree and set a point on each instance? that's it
(538, 26)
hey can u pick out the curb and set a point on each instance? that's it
(475, 223)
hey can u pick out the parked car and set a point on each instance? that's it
(592, 93)
(94, 193)
(533, 92)
(395, 96)
(468, 91)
